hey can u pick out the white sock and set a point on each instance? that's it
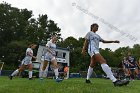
(15, 72)
(41, 73)
(46, 73)
(56, 72)
(108, 71)
(90, 70)
(30, 74)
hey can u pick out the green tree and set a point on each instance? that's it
(12, 23)
(18, 28)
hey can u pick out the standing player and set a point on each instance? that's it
(66, 69)
(50, 57)
(92, 42)
(133, 66)
(126, 69)
(27, 61)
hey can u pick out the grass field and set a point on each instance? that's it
(77, 85)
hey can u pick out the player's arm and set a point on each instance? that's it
(106, 41)
(123, 65)
(49, 50)
(30, 54)
(130, 63)
(85, 45)
(137, 64)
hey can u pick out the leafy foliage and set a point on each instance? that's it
(18, 28)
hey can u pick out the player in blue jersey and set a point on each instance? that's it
(133, 66)
(126, 66)
(92, 43)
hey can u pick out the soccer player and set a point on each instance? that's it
(133, 65)
(50, 57)
(126, 69)
(27, 61)
(92, 42)
(66, 69)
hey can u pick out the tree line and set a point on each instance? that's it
(18, 28)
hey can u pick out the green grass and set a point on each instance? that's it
(77, 85)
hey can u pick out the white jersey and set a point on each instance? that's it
(52, 46)
(30, 51)
(93, 42)
(28, 59)
(48, 56)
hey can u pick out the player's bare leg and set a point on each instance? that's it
(16, 72)
(45, 63)
(90, 69)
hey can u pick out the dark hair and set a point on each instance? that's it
(31, 45)
(94, 24)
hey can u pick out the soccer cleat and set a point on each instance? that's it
(10, 77)
(121, 82)
(88, 81)
(41, 78)
(58, 80)
(128, 77)
(126, 82)
(30, 78)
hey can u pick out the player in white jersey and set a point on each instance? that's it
(92, 43)
(27, 61)
(50, 57)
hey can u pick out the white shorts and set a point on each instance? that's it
(49, 57)
(93, 53)
(26, 61)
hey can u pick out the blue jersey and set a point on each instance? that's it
(132, 60)
(125, 63)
